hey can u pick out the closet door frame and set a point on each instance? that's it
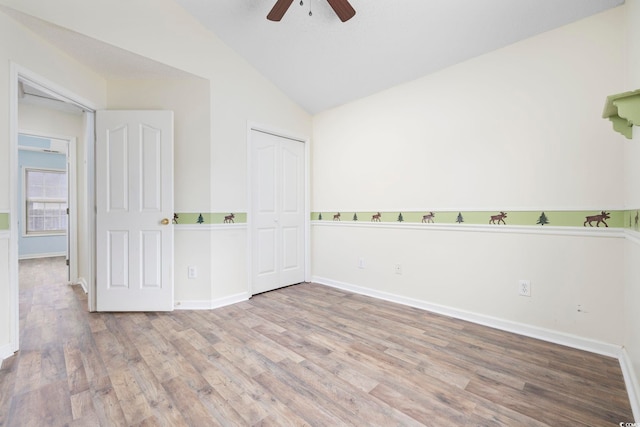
(251, 238)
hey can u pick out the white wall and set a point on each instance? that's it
(576, 281)
(629, 307)
(22, 47)
(518, 128)
(48, 121)
(189, 99)
(515, 129)
(5, 332)
(632, 196)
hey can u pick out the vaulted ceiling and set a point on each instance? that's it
(321, 62)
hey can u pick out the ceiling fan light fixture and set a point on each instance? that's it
(342, 8)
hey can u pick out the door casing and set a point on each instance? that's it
(307, 212)
(18, 73)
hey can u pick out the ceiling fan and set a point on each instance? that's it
(342, 8)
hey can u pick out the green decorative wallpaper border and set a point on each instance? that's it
(180, 218)
(632, 219)
(184, 218)
(628, 219)
(4, 221)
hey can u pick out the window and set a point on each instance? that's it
(46, 201)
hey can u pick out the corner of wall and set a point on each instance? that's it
(631, 380)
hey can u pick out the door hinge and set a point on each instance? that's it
(67, 211)
(67, 262)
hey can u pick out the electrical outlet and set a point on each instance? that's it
(192, 272)
(360, 262)
(398, 269)
(524, 288)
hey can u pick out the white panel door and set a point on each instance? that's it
(134, 202)
(278, 214)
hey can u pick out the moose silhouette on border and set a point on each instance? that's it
(600, 218)
(428, 217)
(499, 218)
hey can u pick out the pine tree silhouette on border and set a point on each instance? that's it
(400, 217)
(355, 216)
(543, 219)
(459, 219)
(200, 219)
(320, 216)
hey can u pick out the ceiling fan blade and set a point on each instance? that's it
(343, 9)
(279, 9)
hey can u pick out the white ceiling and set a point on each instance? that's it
(321, 62)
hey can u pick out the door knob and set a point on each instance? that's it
(165, 221)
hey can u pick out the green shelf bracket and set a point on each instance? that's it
(623, 110)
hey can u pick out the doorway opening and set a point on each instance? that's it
(51, 191)
(46, 190)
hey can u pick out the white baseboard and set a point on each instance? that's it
(631, 380)
(43, 255)
(211, 304)
(569, 340)
(82, 282)
(5, 351)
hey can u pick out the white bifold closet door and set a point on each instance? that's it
(277, 211)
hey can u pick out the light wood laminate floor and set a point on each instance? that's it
(302, 355)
